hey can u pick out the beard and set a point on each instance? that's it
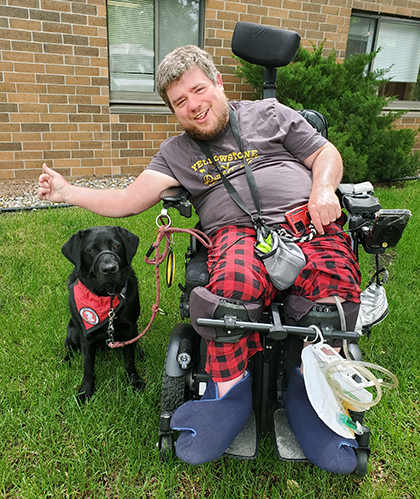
(221, 122)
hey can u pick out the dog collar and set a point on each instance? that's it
(93, 311)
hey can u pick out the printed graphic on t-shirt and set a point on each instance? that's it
(229, 163)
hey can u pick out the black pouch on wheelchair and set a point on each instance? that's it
(206, 305)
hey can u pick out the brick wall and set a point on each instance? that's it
(54, 78)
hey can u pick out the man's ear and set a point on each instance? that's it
(219, 80)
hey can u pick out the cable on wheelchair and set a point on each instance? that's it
(165, 232)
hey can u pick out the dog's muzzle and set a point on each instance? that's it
(110, 269)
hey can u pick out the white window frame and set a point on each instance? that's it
(148, 102)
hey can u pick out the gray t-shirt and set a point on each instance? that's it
(276, 139)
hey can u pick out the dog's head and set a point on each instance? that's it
(102, 257)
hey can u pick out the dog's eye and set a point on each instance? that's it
(116, 246)
(91, 250)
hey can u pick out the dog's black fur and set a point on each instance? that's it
(106, 275)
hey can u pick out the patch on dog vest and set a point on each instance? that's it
(94, 310)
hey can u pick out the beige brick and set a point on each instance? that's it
(298, 15)
(10, 34)
(37, 146)
(61, 89)
(32, 156)
(27, 46)
(59, 69)
(50, 79)
(55, 5)
(82, 154)
(86, 136)
(47, 38)
(236, 6)
(34, 88)
(19, 98)
(33, 108)
(51, 48)
(292, 5)
(227, 16)
(56, 136)
(59, 118)
(68, 127)
(10, 165)
(66, 163)
(85, 30)
(17, 56)
(49, 59)
(56, 28)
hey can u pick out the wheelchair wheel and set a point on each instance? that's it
(173, 396)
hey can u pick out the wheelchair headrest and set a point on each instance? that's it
(264, 45)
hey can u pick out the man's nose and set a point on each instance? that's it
(194, 103)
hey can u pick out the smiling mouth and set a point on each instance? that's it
(201, 115)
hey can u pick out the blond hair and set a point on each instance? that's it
(178, 62)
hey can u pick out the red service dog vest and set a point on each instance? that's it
(94, 310)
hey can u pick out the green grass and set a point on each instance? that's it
(52, 448)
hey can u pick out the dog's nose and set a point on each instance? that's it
(108, 267)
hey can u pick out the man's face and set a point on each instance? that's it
(200, 107)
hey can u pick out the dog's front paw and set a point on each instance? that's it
(85, 392)
(138, 384)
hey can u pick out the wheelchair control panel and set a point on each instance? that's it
(375, 228)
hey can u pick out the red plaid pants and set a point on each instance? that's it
(237, 273)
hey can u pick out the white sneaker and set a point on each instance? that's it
(373, 306)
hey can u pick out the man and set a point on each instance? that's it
(292, 165)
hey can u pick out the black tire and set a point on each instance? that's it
(362, 462)
(173, 393)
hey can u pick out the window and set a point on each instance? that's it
(140, 34)
(399, 40)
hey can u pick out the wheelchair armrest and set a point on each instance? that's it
(177, 197)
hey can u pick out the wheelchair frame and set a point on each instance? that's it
(184, 377)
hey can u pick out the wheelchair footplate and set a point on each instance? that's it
(285, 442)
(246, 443)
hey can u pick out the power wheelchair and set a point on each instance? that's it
(184, 377)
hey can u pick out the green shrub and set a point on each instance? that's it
(347, 96)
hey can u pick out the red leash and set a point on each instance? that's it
(165, 231)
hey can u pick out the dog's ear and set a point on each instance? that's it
(131, 242)
(71, 249)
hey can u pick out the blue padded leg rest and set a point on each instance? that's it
(322, 447)
(208, 426)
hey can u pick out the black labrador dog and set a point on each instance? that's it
(103, 299)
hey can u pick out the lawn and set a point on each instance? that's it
(50, 447)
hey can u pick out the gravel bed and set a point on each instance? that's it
(15, 196)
